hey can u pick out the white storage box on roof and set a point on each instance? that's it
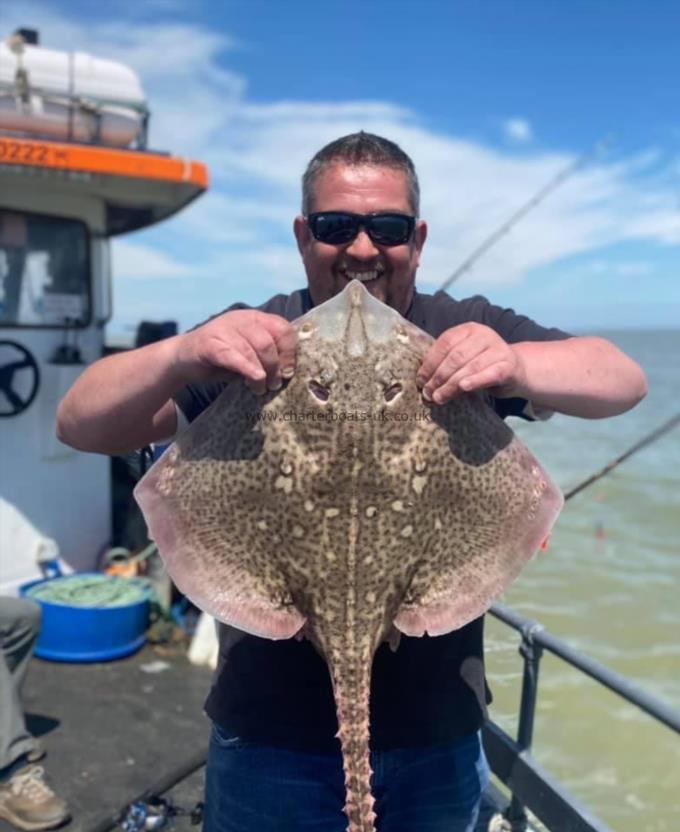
(69, 96)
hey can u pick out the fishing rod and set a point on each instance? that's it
(538, 197)
(647, 440)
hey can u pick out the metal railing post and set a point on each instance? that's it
(531, 652)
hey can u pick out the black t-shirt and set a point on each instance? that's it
(432, 689)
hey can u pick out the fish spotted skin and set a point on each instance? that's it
(347, 508)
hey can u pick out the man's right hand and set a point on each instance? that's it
(124, 401)
(255, 345)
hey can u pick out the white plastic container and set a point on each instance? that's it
(69, 95)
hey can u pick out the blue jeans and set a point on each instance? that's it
(256, 788)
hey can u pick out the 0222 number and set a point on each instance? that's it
(22, 152)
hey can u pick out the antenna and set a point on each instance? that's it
(538, 197)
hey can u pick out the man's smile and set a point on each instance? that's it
(364, 275)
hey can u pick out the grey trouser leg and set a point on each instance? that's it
(19, 629)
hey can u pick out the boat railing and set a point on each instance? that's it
(530, 786)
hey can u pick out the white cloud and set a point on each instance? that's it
(240, 232)
(518, 130)
(296, 111)
(663, 226)
(135, 260)
(629, 268)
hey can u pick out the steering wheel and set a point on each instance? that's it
(16, 402)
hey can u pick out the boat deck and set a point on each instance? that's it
(112, 730)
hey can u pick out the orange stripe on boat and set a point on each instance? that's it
(105, 160)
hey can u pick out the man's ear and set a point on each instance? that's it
(302, 233)
(419, 237)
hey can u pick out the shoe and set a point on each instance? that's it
(28, 802)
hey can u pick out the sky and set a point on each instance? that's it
(492, 99)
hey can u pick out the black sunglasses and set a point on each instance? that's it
(339, 227)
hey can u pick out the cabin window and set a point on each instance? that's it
(44, 270)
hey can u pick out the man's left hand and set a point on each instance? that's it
(469, 357)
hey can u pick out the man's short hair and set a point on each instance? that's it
(360, 149)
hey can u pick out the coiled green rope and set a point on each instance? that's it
(91, 591)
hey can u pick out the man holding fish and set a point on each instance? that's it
(274, 761)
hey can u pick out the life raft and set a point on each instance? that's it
(69, 96)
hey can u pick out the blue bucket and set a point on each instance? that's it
(89, 634)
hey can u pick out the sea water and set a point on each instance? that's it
(609, 584)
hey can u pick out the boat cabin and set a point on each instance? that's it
(74, 172)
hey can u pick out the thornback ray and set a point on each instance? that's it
(346, 508)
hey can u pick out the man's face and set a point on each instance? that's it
(387, 272)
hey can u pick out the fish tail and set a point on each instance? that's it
(351, 685)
